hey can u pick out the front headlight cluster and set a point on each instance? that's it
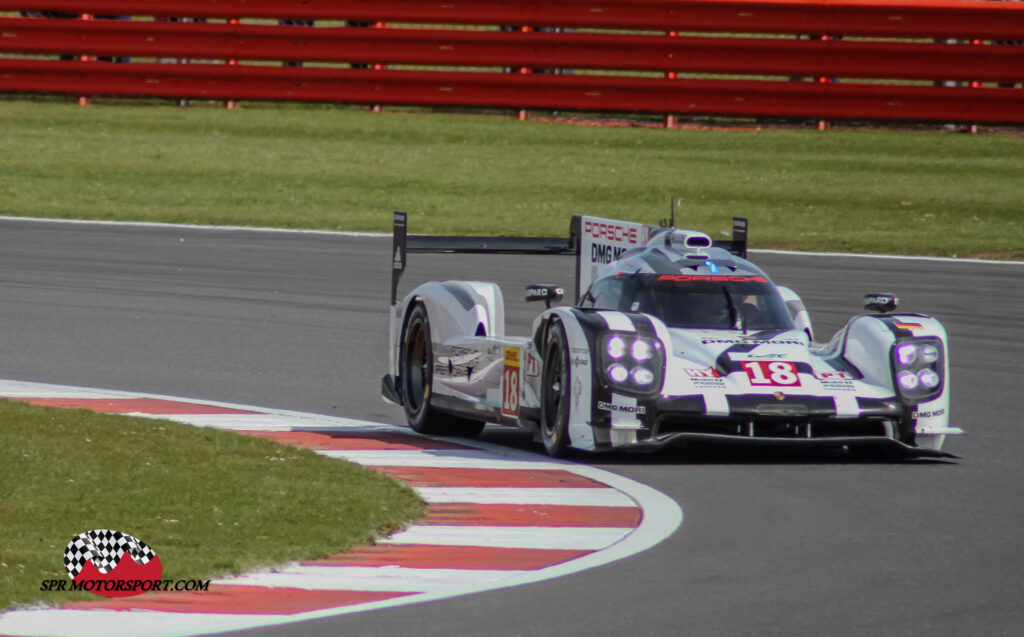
(918, 365)
(632, 363)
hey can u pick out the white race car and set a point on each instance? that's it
(673, 338)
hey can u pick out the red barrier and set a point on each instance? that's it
(920, 56)
(537, 91)
(782, 57)
(963, 19)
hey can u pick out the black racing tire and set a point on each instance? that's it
(416, 374)
(555, 392)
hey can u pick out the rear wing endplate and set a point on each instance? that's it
(594, 241)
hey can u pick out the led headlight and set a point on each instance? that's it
(908, 380)
(642, 376)
(632, 363)
(918, 366)
(620, 374)
(929, 354)
(906, 354)
(616, 347)
(641, 350)
(929, 378)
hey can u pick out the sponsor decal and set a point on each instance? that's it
(836, 380)
(928, 414)
(610, 239)
(457, 351)
(838, 385)
(532, 365)
(110, 563)
(779, 396)
(637, 410)
(611, 231)
(706, 378)
(707, 372)
(733, 341)
(577, 391)
(709, 383)
(910, 326)
(833, 375)
(510, 383)
(450, 370)
(543, 292)
(603, 254)
(712, 278)
(771, 373)
(580, 356)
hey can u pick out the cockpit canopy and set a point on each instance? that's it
(748, 302)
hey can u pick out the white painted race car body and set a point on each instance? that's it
(635, 368)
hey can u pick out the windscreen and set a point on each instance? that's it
(697, 301)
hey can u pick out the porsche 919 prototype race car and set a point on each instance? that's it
(673, 337)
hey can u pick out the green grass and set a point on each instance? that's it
(208, 502)
(346, 169)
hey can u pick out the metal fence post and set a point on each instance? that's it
(523, 114)
(83, 100)
(232, 104)
(379, 108)
(973, 128)
(671, 121)
(823, 124)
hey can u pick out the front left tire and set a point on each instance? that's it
(416, 374)
(555, 392)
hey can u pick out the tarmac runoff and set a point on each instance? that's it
(497, 517)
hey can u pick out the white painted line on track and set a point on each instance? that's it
(659, 518)
(112, 623)
(371, 578)
(512, 537)
(508, 495)
(345, 233)
(22, 389)
(476, 459)
(193, 226)
(900, 257)
(230, 422)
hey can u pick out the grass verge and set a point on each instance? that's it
(208, 502)
(346, 169)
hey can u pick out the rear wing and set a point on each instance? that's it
(595, 242)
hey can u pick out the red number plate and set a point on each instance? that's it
(771, 373)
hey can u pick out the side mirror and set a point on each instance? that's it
(880, 303)
(546, 293)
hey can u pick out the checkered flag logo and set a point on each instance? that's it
(104, 548)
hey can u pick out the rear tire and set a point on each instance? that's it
(416, 373)
(556, 390)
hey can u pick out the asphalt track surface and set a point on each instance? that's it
(772, 543)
